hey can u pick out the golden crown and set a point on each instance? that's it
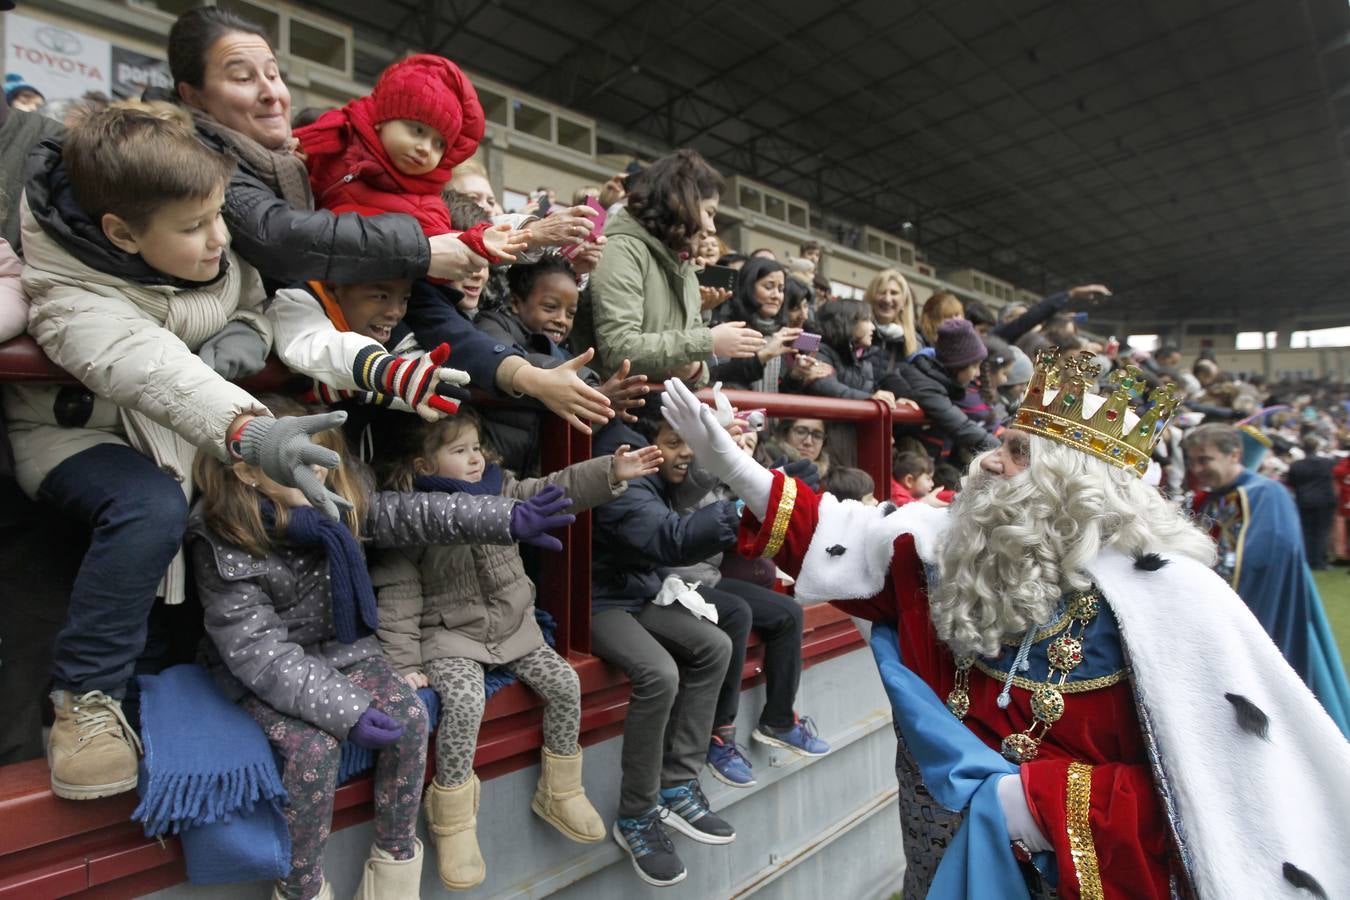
(1102, 434)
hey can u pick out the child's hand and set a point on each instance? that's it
(503, 242)
(904, 404)
(885, 397)
(283, 450)
(563, 392)
(626, 392)
(375, 730)
(541, 513)
(630, 464)
(234, 351)
(425, 383)
(416, 680)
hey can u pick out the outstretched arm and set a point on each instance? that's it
(714, 449)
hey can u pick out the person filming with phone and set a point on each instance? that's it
(645, 305)
(760, 301)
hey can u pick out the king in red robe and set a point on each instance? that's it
(1067, 617)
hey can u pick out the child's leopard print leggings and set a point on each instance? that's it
(459, 682)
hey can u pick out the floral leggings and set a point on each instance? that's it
(310, 776)
(459, 682)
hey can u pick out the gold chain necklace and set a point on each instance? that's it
(1047, 700)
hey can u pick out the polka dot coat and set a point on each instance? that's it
(269, 620)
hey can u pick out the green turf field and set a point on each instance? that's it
(1334, 586)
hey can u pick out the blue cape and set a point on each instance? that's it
(1270, 573)
(961, 773)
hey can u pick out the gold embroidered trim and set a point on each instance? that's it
(1078, 813)
(1048, 631)
(1068, 687)
(1242, 536)
(781, 517)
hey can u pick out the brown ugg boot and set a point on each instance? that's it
(92, 751)
(560, 800)
(386, 878)
(452, 819)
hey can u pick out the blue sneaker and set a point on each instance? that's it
(800, 738)
(729, 764)
(652, 851)
(686, 809)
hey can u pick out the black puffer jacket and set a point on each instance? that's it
(934, 389)
(287, 245)
(639, 534)
(853, 378)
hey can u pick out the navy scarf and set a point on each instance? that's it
(489, 486)
(354, 612)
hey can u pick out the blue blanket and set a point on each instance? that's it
(209, 776)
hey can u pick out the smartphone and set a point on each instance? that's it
(543, 206)
(723, 277)
(597, 228)
(806, 342)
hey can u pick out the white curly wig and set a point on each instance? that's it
(1016, 545)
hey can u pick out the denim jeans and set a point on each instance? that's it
(138, 514)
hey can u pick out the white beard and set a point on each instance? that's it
(1016, 545)
(999, 564)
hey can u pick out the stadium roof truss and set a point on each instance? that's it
(1192, 154)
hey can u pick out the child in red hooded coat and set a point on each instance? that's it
(393, 151)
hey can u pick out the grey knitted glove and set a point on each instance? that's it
(283, 450)
(235, 351)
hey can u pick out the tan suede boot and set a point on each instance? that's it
(92, 751)
(560, 800)
(452, 819)
(386, 878)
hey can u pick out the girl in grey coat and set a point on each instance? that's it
(290, 614)
(449, 613)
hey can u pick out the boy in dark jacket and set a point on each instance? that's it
(665, 650)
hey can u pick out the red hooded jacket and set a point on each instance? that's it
(349, 168)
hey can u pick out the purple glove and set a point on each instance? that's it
(542, 512)
(374, 730)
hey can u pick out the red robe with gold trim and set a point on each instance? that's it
(1129, 829)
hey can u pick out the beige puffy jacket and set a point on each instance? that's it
(133, 347)
(473, 601)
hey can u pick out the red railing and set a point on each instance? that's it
(56, 848)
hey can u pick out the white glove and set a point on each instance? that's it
(725, 414)
(714, 449)
(1021, 825)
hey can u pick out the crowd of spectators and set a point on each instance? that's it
(162, 250)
